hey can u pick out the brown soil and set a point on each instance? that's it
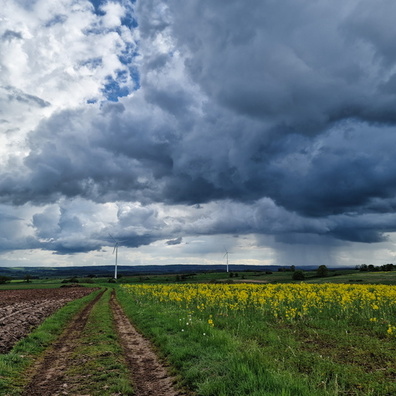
(149, 375)
(23, 310)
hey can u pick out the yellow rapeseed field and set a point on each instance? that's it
(375, 304)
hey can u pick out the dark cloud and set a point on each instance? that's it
(343, 171)
(299, 65)
(290, 116)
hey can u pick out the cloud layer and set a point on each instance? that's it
(160, 120)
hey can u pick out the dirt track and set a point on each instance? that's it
(49, 373)
(148, 376)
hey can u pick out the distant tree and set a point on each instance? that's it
(292, 268)
(363, 267)
(298, 275)
(370, 268)
(4, 279)
(27, 278)
(70, 280)
(322, 271)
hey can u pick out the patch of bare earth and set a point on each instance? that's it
(49, 373)
(23, 310)
(149, 376)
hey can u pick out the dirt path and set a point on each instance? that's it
(48, 379)
(149, 375)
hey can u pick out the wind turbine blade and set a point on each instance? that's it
(111, 236)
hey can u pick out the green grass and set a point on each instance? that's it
(34, 284)
(214, 361)
(97, 365)
(255, 355)
(52, 283)
(13, 364)
(335, 276)
(383, 278)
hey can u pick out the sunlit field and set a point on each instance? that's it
(275, 339)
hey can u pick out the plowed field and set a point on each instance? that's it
(23, 310)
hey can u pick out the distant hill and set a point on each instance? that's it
(108, 270)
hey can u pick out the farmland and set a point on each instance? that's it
(299, 339)
(23, 309)
(86, 347)
(254, 334)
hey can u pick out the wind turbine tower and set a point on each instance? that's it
(115, 250)
(226, 255)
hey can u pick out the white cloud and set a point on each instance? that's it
(113, 14)
(248, 131)
(59, 54)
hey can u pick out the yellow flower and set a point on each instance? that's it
(391, 330)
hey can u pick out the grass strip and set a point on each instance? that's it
(27, 350)
(29, 286)
(97, 365)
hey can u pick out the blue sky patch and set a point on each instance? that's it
(112, 90)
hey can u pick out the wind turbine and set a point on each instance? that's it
(226, 255)
(116, 244)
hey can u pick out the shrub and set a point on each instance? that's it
(298, 275)
(71, 280)
(4, 279)
(322, 271)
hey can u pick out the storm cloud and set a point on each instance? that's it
(199, 118)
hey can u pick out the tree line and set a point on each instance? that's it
(374, 268)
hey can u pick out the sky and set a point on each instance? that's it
(186, 128)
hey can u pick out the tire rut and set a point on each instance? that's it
(49, 372)
(149, 376)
